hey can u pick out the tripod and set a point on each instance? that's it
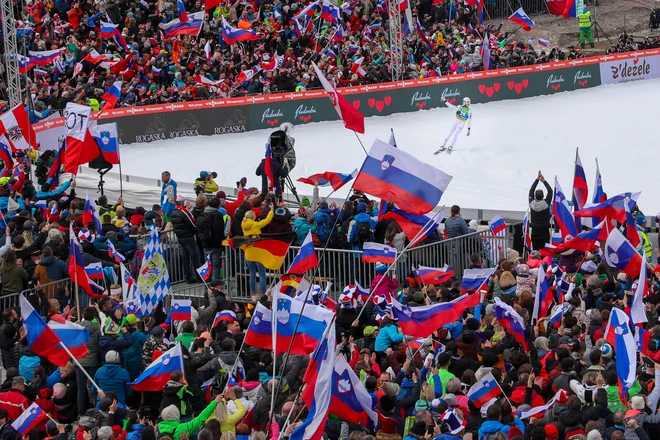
(597, 26)
(286, 182)
(102, 173)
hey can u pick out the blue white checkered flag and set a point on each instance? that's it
(153, 279)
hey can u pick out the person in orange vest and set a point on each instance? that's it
(244, 22)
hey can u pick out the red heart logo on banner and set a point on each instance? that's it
(356, 104)
(518, 88)
(421, 104)
(489, 91)
(306, 119)
(635, 61)
(496, 86)
(556, 87)
(388, 100)
(525, 83)
(380, 105)
(482, 88)
(451, 101)
(371, 102)
(272, 122)
(510, 85)
(583, 83)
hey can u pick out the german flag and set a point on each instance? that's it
(267, 249)
(290, 284)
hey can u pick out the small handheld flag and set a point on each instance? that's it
(497, 225)
(119, 258)
(181, 310)
(378, 253)
(206, 269)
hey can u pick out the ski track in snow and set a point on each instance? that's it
(493, 168)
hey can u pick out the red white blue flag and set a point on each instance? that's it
(419, 322)
(232, 35)
(181, 310)
(484, 390)
(497, 225)
(350, 398)
(620, 337)
(562, 212)
(29, 419)
(474, 279)
(621, 255)
(512, 322)
(329, 178)
(378, 253)
(521, 18)
(306, 258)
(433, 275)
(206, 269)
(156, 375)
(223, 316)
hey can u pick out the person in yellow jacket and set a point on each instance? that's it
(94, 104)
(221, 413)
(251, 228)
(644, 247)
(205, 183)
(584, 21)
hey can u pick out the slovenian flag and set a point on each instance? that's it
(544, 43)
(621, 255)
(497, 225)
(95, 270)
(205, 270)
(378, 253)
(232, 35)
(558, 315)
(306, 258)
(521, 18)
(329, 178)
(44, 58)
(223, 316)
(420, 322)
(112, 96)
(29, 419)
(24, 64)
(433, 275)
(112, 252)
(562, 213)
(474, 279)
(484, 390)
(157, 374)
(178, 27)
(396, 176)
(181, 310)
(510, 320)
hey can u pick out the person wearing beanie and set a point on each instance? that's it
(112, 377)
(173, 427)
(551, 432)
(303, 224)
(388, 286)
(360, 229)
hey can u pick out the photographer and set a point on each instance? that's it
(282, 160)
(205, 183)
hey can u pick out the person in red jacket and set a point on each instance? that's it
(526, 393)
(14, 400)
(74, 16)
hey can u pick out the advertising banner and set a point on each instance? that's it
(631, 69)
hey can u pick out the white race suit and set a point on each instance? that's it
(463, 114)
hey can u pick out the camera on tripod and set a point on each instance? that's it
(282, 150)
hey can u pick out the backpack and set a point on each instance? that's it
(323, 226)
(363, 233)
(91, 422)
(205, 228)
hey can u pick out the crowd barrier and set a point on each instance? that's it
(236, 115)
(337, 266)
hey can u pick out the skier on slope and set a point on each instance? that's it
(463, 115)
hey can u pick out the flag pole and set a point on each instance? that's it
(421, 346)
(240, 349)
(397, 259)
(75, 281)
(75, 361)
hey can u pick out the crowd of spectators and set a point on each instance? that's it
(162, 71)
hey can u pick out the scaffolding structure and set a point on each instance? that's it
(396, 39)
(13, 77)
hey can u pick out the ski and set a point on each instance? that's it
(439, 151)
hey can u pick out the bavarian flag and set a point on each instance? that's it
(267, 249)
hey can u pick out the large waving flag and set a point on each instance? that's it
(544, 297)
(637, 310)
(329, 178)
(181, 7)
(599, 193)
(177, 27)
(562, 212)
(318, 392)
(378, 253)
(91, 214)
(313, 322)
(561, 396)
(613, 207)
(521, 18)
(396, 176)
(80, 145)
(77, 268)
(558, 314)
(5, 153)
(527, 236)
(420, 322)
(618, 334)
(353, 119)
(580, 187)
(45, 57)
(350, 399)
(232, 35)
(46, 340)
(153, 279)
(267, 249)
(110, 30)
(30, 419)
(584, 242)
(24, 64)
(156, 375)
(306, 258)
(16, 125)
(412, 224)
(512, 322)
(474, 279)
(433, 275)
(484, 390)
(620, 254)
(107, 139)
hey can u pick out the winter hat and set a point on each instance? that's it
(514, 431)
(221, 195)
(105, 403)
(59, 391)
(85, 235)
(28, 225)
(473, 224)
(378, 299)
(369, 330)
(637, 403)
(381, 268)
(171, 413)
(323, 205)
(450, 399)
(594, 435)
(131, 319)
(110, 327)
(112, 357)
(304, 201)
(203, 174)
(455, 423)
(421, 405)
(640, 220)
(391, 389)
(380, 316)
(361, 207)
(551, 432)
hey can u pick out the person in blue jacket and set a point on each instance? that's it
(133, 355)
(113, 378)
(492, 425)
(353, 230)
(167, 195)
(388, 335)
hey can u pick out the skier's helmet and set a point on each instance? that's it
(467, 101)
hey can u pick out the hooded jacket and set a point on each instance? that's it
(253, 227)
(172, 426)
(388, 335)
(177, 394)
(539, 217)
(51, 269)
(91, 359)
